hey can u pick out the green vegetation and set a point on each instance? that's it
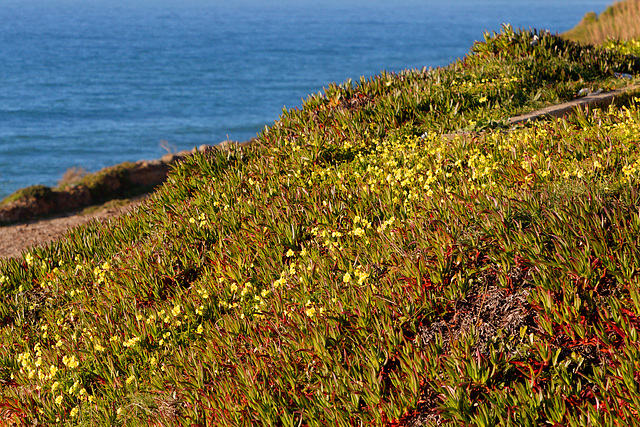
(111, 204)
(103, 185)
(35, 191)
(353, 266)
(620, 21)
(72, 177)
(108, 182)
(80, 191)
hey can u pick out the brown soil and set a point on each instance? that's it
(14, 239)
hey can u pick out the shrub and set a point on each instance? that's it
(72, 177)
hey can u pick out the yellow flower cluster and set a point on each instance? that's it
(627, 47)
(101, 273)
(631, 171)
(177, 309)
(312, 310)
(359, 274)
(47, 379)
(204, 293)
(500, 81)
(70, 361)
(131, 342)
(29, 259)
(382, 228)
(360, 226)
(201, 220)
(33, 367)
(280, 282)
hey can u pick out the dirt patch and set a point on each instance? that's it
(14, 239)
(488, 308)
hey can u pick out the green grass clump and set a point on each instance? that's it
(34, 191)
(102, 185)
(353, 266)
(108, 182)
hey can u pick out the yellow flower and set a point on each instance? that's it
(176, 310)
(73, 388)
(200, 329)
(131, 342)
(130, 379)
(358, 232)
(70, 361)
(58, 400)
(346, 278)
(74, 411)
(362, 276)
(290, 253)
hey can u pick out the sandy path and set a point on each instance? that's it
(16, 238)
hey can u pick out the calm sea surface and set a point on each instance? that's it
(94, 83)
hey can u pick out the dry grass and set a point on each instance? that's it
(72, 177)
(620, 21)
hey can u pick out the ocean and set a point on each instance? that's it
(94, 83)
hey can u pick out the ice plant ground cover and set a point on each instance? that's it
(355, 267)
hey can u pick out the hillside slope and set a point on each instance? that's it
(620, 21)
(354, 266)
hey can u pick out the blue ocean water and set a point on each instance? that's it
(93, 83)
